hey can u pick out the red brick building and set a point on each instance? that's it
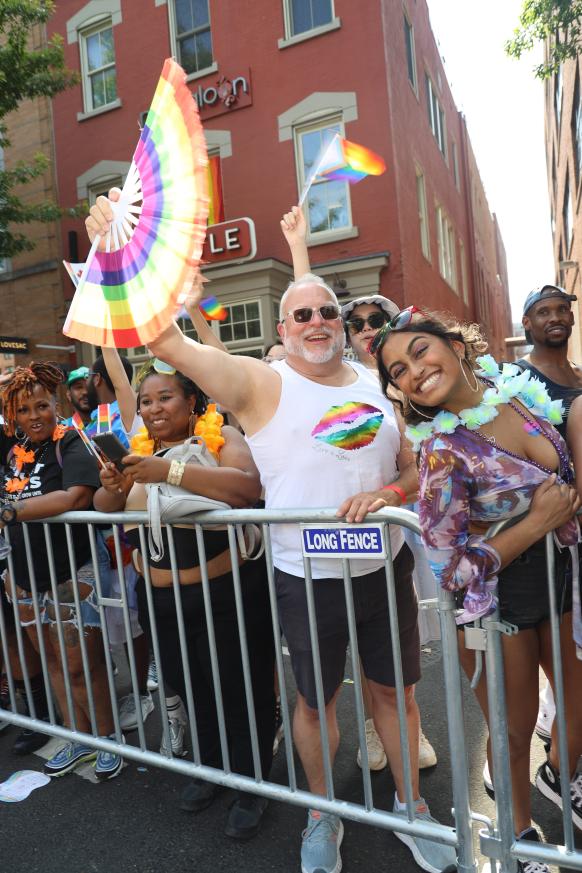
(274, 80)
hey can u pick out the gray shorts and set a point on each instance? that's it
(372, 624)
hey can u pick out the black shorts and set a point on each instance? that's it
(372, 623)
(523, 587)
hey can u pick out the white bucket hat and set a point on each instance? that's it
(384, 303)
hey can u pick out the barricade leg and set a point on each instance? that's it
(455, 723)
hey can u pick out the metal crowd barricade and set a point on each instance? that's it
(498, 843)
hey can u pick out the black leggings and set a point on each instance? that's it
(261, 656)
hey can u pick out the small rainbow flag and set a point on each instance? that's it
(103, 418)
(212, 309)
(351, 162)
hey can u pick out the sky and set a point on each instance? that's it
(504, 107)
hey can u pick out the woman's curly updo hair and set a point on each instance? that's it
(447, 328)
(25, 379)
(189, 387)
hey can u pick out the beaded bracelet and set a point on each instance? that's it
(175, 472)
(397, 490)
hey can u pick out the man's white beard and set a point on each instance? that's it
(300, 348)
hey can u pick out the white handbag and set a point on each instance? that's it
(168, 503)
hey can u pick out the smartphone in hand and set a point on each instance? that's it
(111, 448)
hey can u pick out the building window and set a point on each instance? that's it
(567, 215)
(436, 116)
(577, 127)
(305, 15)
(464, 278)
(410, 55)
(103, 187)
(328, 201)
(456, 175)
(192, 38)
(558, 95)
(98, 66)
(243, 322)
(446, 247)
(422, 215)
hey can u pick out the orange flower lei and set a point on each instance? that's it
(208, 426)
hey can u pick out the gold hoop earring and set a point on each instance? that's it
(464, 372)
(418, 412)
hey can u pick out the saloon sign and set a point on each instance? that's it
(223, 95)
(230, 241)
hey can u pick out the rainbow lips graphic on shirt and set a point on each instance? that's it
(350, 426)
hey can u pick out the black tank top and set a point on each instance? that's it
(565, 393)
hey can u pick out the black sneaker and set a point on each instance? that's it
(532, 866)
(198, 795)
(548, 782)
(29, 741)
(244, 818)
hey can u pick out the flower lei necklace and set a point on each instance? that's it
(508, 382)
(208, 427)
(22, 455)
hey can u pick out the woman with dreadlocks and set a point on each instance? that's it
(173, 409)
(50, 471)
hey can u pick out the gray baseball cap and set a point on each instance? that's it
(384, 303)
(543, 292)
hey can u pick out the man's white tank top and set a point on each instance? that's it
(325, 444)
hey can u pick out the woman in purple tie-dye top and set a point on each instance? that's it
(485, 457)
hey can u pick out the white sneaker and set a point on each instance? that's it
(153, 684)
(488, 781)
(177, 722)
(128, 712)
(426, 754)
(376, 754)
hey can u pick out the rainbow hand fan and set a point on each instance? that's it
(212, 309)
(344, 160)
(127, 295)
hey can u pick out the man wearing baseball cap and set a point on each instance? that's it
(77, 395)
(548, 320)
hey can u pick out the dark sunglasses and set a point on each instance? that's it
(374, 320)
(399, 322)
(304, 314)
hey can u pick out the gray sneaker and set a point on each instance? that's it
(322, 838)
(431, 856)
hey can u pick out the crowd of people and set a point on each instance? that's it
(418, 413)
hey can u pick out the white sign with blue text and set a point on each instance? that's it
(343, 540)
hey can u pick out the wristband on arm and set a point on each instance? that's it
(397, 490)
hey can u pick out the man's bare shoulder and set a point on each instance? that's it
(263, 396)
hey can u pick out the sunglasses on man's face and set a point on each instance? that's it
(399, 322)
(304, 314)
(374, 320)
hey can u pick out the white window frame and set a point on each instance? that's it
(446, 248)
(409, 32)
(568, 215)
(436, 116)
(464, 276)
(173, 25)
(423, 214)
(455, 162)
(95, 27)
(236, 343)
(322, 235)
(291, 38)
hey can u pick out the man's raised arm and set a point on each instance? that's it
(245, 386)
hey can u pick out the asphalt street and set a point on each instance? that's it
(133, 822)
